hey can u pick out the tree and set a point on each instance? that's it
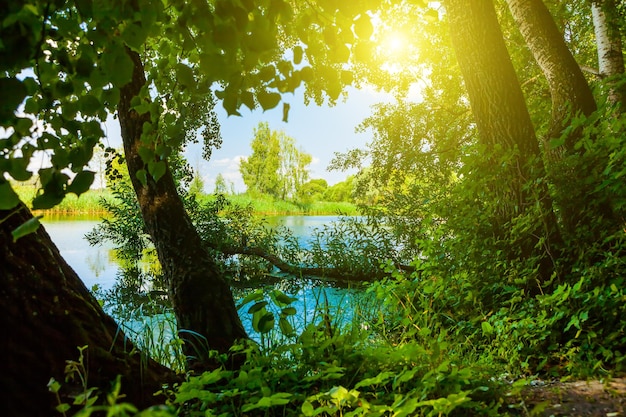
(276, 167)
(197, 183)
(260, 170)
(293, 172)
(56, 315)
(313, 190)
(569, 89)
(69, 65)
(606, 18)
(503, 121)
(220, 185)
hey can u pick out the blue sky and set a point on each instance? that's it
(320, 131)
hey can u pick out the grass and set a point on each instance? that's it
(267, 206)
(89, 203)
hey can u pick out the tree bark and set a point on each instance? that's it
(503, 122)
(571, 95)
(569, 89)
(201, 297)
(609, 44)
(46, 313)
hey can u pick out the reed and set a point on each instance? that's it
(267, 206)
(87, 203)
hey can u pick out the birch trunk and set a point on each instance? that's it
(609, 45)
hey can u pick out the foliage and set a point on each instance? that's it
(276, 167)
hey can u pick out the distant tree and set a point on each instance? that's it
(276, 167)
(220, 185)
(197, 183)
(342, 191)
(313, 190)
(260, 170)
(293, 171)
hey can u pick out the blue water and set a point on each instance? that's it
(96, 265)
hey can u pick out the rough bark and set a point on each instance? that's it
(571, 95)
(609, 43)
(46, 313)
(569, 89)
(502, 120)
(200, 295)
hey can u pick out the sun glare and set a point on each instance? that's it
(395, 43)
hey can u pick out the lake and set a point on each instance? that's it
(96, 265)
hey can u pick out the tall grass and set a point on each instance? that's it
(87, 203)
(267, 206)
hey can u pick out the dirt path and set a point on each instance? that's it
(579, 398)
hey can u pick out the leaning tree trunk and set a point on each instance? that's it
(569, 89)
(571, 95)
(609, 43)
(503, 122)
(46, 313)
(200, 295)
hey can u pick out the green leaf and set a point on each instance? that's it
(297, 55)
(363, 27)
(487, 328)
(184, 74)
(46, 201)
(288, 311)
(268, 100)
(26, 228)
(13, 93)
(285, 327)
(135, 36)
(286, 107)
(142, 176)
(81, 182)
(157, 169)
(117, 65)
(254, 296)
(282, 299)
(266, 322)
(257, 306)
(8, 198)
(307, 409)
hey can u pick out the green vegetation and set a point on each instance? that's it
(269, 206)
(86, 203)
(493, 243)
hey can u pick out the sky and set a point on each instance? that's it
(319, 131)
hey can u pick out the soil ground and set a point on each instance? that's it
(593, 398)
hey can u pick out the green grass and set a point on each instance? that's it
(268, 206)
(87, 203)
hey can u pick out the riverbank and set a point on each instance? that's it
(89, 204)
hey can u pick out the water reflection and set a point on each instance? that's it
(136, 296)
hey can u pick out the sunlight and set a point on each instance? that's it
(394, 43)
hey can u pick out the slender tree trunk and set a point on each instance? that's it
(502, 120)
(571, 95)
(200, 295)
(568, 87)
(609, 43)
(46, 313)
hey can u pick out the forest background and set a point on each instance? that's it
(496, 242)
